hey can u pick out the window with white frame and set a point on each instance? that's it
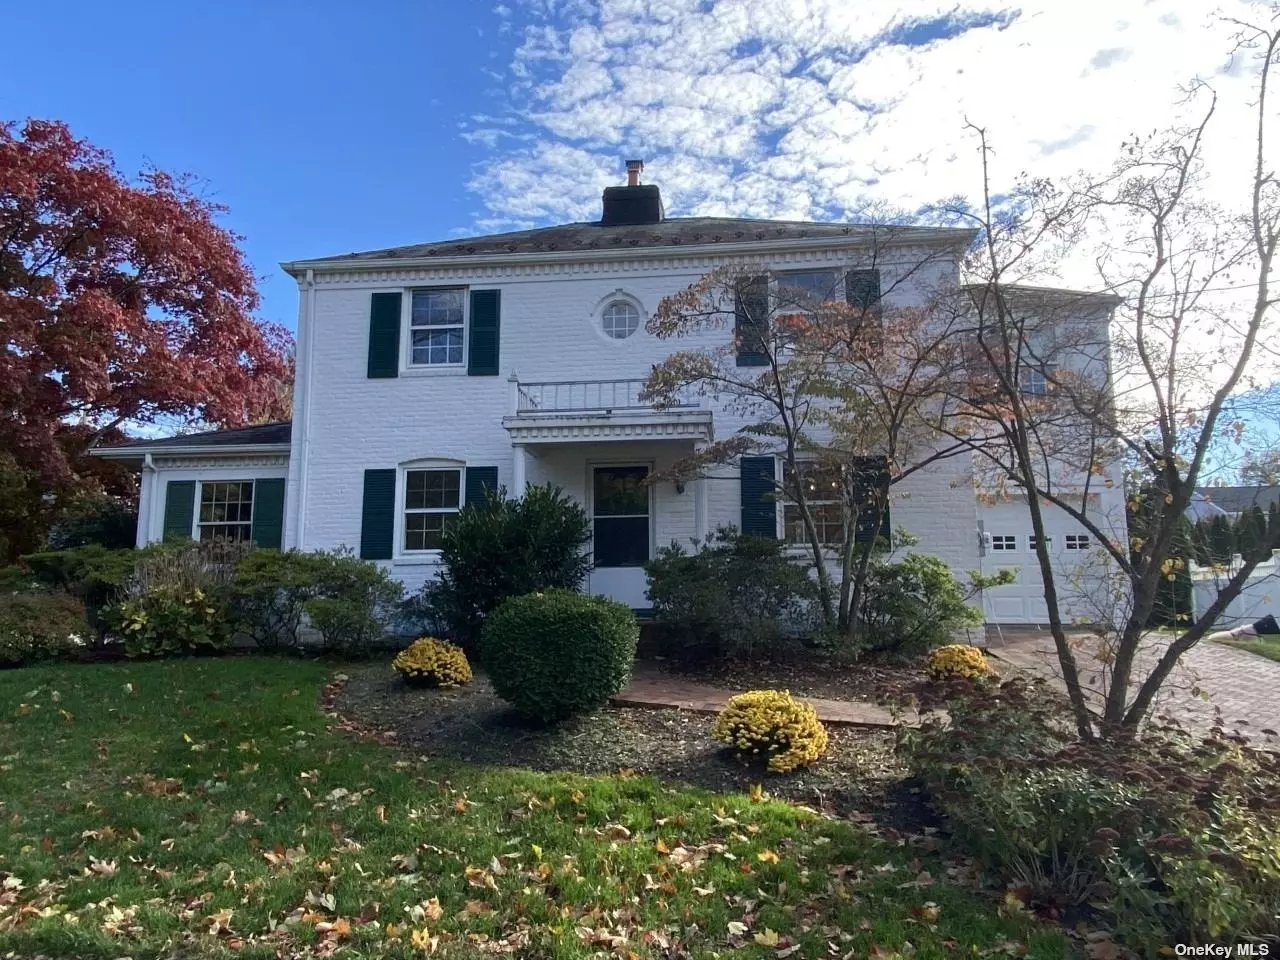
(805, 289)
(432, 499)
(1077, 541)
(823, 495)
(1037, 381)
(1031, 542)
(620, 319)
(226, 510)
(437, 322)
(1004, 542)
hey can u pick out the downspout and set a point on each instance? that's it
(147, 493)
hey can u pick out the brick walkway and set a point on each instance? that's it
(1244, 686)
(654, 689)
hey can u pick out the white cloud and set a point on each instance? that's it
(815, 108)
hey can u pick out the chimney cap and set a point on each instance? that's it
(634, 169)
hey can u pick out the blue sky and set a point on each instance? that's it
(335, 126)
(324, 126)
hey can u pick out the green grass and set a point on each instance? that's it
(206, 808)
(1268, 647)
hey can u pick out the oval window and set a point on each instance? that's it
(620, 319)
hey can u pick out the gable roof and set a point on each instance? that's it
(265, 435)
(592, 236)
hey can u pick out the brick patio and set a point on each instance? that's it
(651, 688)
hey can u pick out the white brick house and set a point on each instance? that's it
(426, 372)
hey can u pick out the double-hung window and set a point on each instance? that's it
(226, 510)
(437, 321)
(1037, 381)
(1004, 542)
(802, 290)
(432, 499)
(823, 493)
(1031, 542)
(1077, 541)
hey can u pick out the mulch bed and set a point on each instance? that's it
(859, 775)
(877, 681)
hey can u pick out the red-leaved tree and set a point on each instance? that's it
(121, 302)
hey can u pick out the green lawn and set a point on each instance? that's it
(206, 808)
(1268, 647)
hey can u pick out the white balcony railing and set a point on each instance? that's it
(585, 396)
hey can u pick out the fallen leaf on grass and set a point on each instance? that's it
(767, 856)
(103, 868)
(767, 938)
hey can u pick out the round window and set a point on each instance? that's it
(620, 319)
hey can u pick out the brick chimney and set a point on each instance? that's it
(634, 205)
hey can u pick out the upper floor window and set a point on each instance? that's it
(226, 510)
(1077, 541)
(620, 319)
(1004, 541)
(1038, 381)
(437, 319)
(805, 289)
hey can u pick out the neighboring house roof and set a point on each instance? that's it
(1239, 499)
(671, 232)
(1052, 294)
(1200, 508)
(266, 436)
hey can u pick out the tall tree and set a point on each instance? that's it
(1191, 331)
(122, 302)
(830, 374)
(1261, 469)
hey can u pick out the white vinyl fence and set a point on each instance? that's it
(1260, 596)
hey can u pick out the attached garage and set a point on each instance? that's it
(1081, 568)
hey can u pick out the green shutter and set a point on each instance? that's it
(482, 352)
(870, 474)
(268, 513)
(378, 515)
(179, 509)
(384, 335)
(751, 320)
(862, 288)
(759, 500)
(478, 479)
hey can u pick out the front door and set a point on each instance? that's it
(620, 526)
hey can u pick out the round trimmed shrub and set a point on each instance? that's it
(558, 653)
(37, 626)
(770, 726)
(428, 662)
(958, 660)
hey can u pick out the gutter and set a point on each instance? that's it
(146, 452)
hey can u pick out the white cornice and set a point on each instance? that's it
(671, 425)
(581, 260)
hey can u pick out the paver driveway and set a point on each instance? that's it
(1244, 686)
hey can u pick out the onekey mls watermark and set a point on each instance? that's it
(1225, 951)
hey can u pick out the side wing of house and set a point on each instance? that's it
(227, 483)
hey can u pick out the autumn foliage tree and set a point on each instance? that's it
(122, 302)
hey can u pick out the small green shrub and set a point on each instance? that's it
(171, 620)
(1174, 837)
(770, 727)
(504, 548)
(270, 591)
(733, 596)
(40, 625)
(913, 605)
(94, 573)
(558, 653)
(178, 599)
(354, 603)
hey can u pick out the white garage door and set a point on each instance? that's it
(1009, 545)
